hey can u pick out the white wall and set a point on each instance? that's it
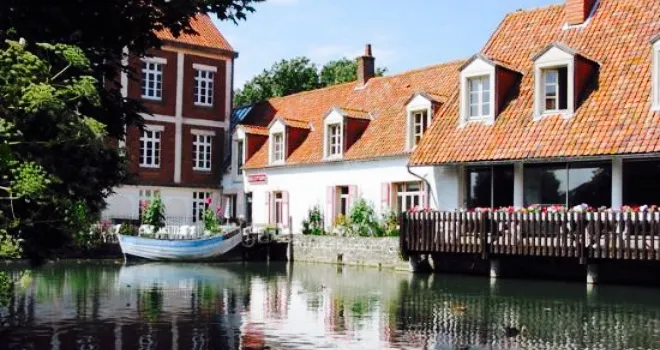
(232, 184)
(125, 202)
(307, 185)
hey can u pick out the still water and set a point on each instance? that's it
(236, 306)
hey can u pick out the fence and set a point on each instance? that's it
(595, 235)
(175, 226)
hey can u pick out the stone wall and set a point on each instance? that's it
(358, 251)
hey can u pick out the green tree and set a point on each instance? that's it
(53, 156)
(61, 102)
(298, 74)
(342, 71)
(284, 78)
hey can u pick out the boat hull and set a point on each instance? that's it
(179, 250)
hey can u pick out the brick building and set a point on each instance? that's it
(187, 87)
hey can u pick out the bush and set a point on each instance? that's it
(313, 224)
(154, 214)
(390, 223)
(10, 247)
(211, 221)
(363, 221)
(128, 230)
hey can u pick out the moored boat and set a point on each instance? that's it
(180, 250)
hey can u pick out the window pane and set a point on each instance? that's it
(640, 182)
(590, 184)
(545, 184)
(550, 76)
(503, 186)
(478, 187)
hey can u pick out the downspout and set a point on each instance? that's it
(428, 185)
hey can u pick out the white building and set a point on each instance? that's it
(330, 146)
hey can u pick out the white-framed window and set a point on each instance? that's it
(150, 147)
(278, 207)
(203, 90)
(420, 122)
(240, 157)
(342, 195)
(479, 99)
(408, 195)
(152, 78)
(554, 82)
(202, 144)
(200, 203)
(334, 142)
(555, 88)
(278, 147)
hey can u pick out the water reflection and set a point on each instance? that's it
(163, 306)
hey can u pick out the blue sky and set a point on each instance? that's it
(404, 34)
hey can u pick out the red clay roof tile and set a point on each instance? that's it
(207, 35)
(383, 99)
(615, 118)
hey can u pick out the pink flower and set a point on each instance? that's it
(208, 200)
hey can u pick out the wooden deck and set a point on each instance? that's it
(625, 236)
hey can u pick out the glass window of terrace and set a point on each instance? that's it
(641, 182)
(568, 184)
(490, 186)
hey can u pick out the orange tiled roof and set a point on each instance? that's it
(254, 130)
(615, 118)
(295, 123)
(207, 35)
(355, 113)
(383, 98)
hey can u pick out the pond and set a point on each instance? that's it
(258, 306)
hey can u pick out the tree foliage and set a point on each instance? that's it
(298, 74)
(53, 157)
(342, 71)
(61, 100)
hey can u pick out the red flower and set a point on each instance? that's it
(208, 200)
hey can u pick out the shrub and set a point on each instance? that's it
(154, 214)
(10, 247)
(362, 220)
(390, 222)
(211, 221)
(128, 230)
(313, 224)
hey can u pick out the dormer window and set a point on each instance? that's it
(420, 124)
(277, 155)
(480, 99)
(334, 141)
(558, 89)
(555, 89)
(419, 109)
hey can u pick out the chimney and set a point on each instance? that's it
(366, 66)
(577, 11)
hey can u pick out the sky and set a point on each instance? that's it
(404, 35)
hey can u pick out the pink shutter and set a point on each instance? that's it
(268, 212)
(425, 195)
(285, 209)
(385, 188)
(352, 196)
(329, 205)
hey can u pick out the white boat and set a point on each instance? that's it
(180, 250)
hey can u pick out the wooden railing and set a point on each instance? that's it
(606, 235)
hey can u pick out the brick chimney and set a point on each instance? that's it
(366, 66)
(577, 11)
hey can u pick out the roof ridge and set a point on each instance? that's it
(343, 85)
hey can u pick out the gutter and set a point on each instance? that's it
(428, 185)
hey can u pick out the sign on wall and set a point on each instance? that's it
(256, 179)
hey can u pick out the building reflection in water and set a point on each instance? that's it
(162, 306)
